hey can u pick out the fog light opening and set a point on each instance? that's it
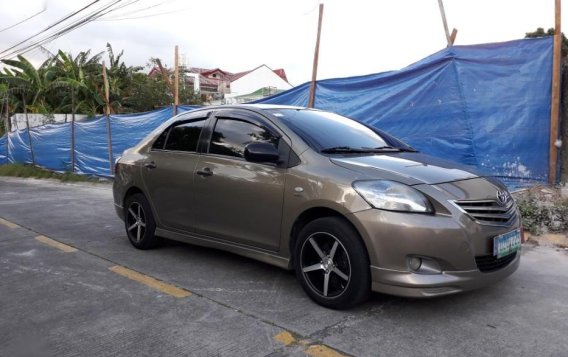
(423, 265)
(415, 263)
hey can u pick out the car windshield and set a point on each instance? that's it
(332, 133)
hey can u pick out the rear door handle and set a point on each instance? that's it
(205, 172)
(150, 165)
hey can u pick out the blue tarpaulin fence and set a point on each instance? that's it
(52, 143)
(486, 106)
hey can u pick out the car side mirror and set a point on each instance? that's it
(261, 152)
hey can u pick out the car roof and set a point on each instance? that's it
(250, 106)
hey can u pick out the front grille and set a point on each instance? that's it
(489, 211)
(488, 263)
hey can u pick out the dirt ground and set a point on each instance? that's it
(549, 240)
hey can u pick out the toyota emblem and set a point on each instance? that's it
(503, 197)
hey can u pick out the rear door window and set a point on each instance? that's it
(184, 136)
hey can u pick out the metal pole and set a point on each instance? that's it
(176, 79)
(107, 113)
(315, 65)
(555, 104)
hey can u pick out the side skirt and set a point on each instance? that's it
(204, 241)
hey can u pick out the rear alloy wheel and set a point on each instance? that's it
(332, 264)
(139, 222)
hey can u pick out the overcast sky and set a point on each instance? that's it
(358, 36)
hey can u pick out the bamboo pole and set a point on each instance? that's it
(72, 130)
(312, 95)
(8, 123)
(8, 127)
(555, 104)
(445, 22)
(107, 114)
(29, 133)
(176, 81)
(7, 118)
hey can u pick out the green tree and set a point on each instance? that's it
(68, 84)
(28, 84)
(121, 81)
(550, 32)
(81, 79)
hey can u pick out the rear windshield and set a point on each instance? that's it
(323, 130)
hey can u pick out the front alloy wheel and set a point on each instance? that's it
(325, 264)
(332, 263)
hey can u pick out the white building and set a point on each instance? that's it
(257, 83)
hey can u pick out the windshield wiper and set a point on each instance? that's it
(351, 150)
(386, 147)
(343, 149)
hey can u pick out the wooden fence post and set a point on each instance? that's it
(72, 130)
(555, 103)
(312, 95)
(29, 133)
(107, 113)
(176, 81)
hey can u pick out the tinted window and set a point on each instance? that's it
(160, 141)
(184, 137)
(230, 137)
(326, 130)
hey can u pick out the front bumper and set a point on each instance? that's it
(408, 284)
(453, 241)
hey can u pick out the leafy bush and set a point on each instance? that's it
(540, 216)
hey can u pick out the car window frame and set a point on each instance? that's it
(252, 118)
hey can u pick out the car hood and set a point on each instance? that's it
(408, 168)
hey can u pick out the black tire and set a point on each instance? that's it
(139, 222)
(348, 271)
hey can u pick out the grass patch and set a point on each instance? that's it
(21, 170)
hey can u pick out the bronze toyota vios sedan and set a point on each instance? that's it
(350, 208)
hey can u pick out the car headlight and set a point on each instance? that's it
(393, 196)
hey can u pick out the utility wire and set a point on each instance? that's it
(93, 16)
(26, 19)
(50, 26)
(74, 25)
(118, 16)
(143, 16)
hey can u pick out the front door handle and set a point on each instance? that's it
(150, 165)
(205, 172)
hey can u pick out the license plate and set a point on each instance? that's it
(507, 243)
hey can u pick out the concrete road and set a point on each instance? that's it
(71, 285)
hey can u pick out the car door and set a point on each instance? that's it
(169, 172)
(237, 200)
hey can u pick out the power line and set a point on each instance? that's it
(118, 16)
(143, 16)
(49, 27)
(106, 9)
(26, 19)
(94, 15)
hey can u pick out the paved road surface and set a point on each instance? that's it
(95, 295)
